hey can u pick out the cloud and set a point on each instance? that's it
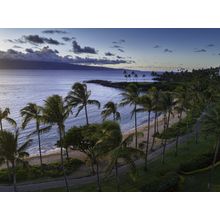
(15, 41)
(119, 57)
(168, 50)
(17, 47)
(102, 61)
(35, 39)
(157, 46)
(68, 38)
(52, 41)
(29, 50)
(119, 42)
(117, 46)
(121, 50)
(200, 51)
(44, 54)
(109, 54)
(210, 45)
(78, 49)
(55, 31)
(49, 55)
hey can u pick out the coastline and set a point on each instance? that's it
(54, 156)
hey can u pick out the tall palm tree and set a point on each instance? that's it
(4, 115)
(131, 97)
(56, 112)
(111, 108)
(182, 104)
(146, 105)
(34, 112)
(155, 93)
(79, 96)
(167, 103)
(125, 154)
(11, 151)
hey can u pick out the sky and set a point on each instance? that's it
(141, 49)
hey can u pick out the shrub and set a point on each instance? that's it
(4, 176)
(167, 183)
(34, 172)
(198, 163)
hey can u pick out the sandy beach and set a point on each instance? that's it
(54, 156)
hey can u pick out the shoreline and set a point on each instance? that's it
(55, 155)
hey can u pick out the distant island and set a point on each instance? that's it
(45, 65)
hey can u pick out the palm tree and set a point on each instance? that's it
(11, 151)
(94, 141)
(56, 112)
(131, 97)
(212, 126)
(79, 96)
(167, 103)
(4, 115)
(146, 104)
(125, 154)
(111, 108)
(155, 93)
(182, 96)
(34, 112)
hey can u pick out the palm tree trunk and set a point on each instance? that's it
(92, 166)
(87, 118)
(14, 175)
(157, 125)
(99, 189)
(155, 130)
(213, 165)
(62, 162)
(67, 153)
(177, 136)
(168, 119)
(67, 149)
(9, 172)
(1, 125)
(148, 137)
(135, 125)
(197, 132)
(164, 142)
(116, 176)
(39, 145)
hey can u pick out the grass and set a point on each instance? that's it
(158, 171)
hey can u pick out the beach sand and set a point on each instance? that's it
(54, 155)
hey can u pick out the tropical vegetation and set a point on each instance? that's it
(181, 110)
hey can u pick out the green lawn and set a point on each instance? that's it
(158, 171)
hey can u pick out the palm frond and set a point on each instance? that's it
(25, 145)
(79, 110)
(94, 102)
(11, 121)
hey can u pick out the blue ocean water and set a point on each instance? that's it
(18, 87)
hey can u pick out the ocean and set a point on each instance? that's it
(18, 87)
